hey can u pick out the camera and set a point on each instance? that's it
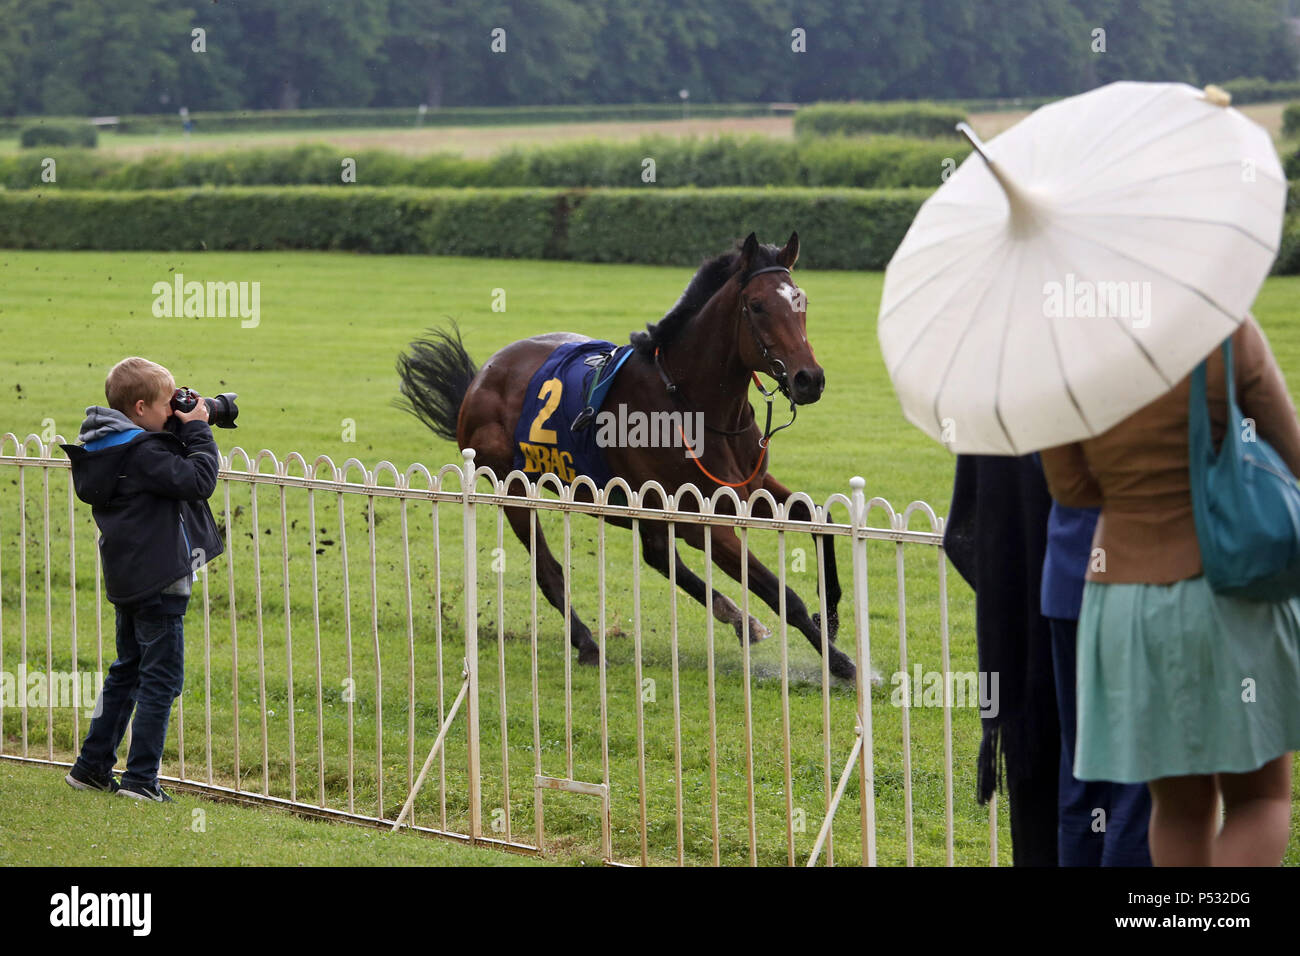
(222, 410)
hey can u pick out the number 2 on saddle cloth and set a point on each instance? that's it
(563, 398)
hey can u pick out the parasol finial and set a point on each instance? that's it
(1218, 95)
(1026, 210)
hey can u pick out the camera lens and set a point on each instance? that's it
(222, 410)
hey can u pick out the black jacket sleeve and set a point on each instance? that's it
(996, 537)
(188, 476)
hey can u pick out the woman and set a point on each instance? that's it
(1194, 693)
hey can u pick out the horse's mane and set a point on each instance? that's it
(708, 279)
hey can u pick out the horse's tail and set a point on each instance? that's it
(435, 375)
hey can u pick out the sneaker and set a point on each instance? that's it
(80, 779)
(138, 792)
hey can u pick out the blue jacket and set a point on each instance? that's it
(148, 494)
(1069, 548)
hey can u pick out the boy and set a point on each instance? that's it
(147, 481)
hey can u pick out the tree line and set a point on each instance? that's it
(87, 57)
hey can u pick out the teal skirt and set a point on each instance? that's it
(1174, 679)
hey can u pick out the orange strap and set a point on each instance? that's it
(728, 484)
(762, 444)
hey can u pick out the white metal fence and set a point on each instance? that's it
(344, 634)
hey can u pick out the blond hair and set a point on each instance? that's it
(133, 379)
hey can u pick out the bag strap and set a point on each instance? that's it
(1230, 377)
(1199, 404)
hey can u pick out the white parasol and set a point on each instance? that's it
(1079, 265)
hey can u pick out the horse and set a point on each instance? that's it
(741, 314)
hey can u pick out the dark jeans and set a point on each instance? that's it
(147, 676)
(1126, 807)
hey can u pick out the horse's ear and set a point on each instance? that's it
(747, 252)
(790, 254)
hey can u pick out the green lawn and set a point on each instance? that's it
(331, 327)
(44, 822)
(333, 324)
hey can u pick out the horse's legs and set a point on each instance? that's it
(801, 512)
(550, 578)
(727, 554)
(654, 544)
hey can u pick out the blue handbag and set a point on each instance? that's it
(1246, 503)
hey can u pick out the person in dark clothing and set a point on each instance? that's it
(996, 537)
(147, 472)
(1101, 823)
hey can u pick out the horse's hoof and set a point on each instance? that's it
(758, 631)
(589, 656)
(842, 667)
(832, 624)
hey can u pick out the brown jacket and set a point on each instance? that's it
(1137, 472)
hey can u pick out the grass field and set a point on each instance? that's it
(469, 141)
(482, 141)
(331, 326)
(44, 822)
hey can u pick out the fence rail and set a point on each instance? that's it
(325, 676)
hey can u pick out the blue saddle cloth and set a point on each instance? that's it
(557, 394)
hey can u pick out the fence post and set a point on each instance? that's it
(862, 642)
(471, 647)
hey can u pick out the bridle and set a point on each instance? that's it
(775, 368)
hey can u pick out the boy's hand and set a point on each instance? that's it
(199, 413)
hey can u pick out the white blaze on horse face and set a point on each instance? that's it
(788, 292)
(793, 295)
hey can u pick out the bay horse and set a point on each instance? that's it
(740, 314)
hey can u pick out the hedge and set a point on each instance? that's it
(839, 229)
(1014, 104)
(13, 125)
(507, 223)
(59, 134)
(1256, 89)
(926, 120)
(876, 163)
(382, 118)
(73, 168)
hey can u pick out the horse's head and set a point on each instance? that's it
(774, 335)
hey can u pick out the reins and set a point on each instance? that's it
(776, 368)
(730, 484)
